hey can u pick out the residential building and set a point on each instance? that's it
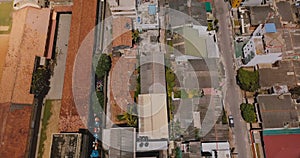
(278, 111)
(147, 17)
(261, 46)
(66, 145)
(279, 73)
(120, 142)
(122, 32)
(215, 149)
(121, 8)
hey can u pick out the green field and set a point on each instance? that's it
(6, 9)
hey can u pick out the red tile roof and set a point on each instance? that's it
(279, 146)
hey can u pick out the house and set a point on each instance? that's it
(215, 149)
(70, 142)
(122, 32)
(121, 8)
(147, 17)
(279, 73)
(278, 111)
(120, 142)
(264, 46)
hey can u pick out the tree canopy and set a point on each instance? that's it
(104, 64)
(248, 80)
(248, 112)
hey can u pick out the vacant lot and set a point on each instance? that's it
(5, 16)
(3, 51)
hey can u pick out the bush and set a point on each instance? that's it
(248, 80)
(248, 112)
(40, 82)
(103, 66)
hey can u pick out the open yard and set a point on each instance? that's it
(6, 9)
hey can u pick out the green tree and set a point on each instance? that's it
(295, 92)
(248, 80)
(130, 116)
(40, 82)
(104, 64)
(135, 36)
(248, 112)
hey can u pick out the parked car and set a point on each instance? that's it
(231, 123)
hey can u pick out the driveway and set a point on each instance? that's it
(233, 96)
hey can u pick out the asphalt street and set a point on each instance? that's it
(233, 96)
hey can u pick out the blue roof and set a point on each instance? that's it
(95, 154)
(270, 27)
(152, 9)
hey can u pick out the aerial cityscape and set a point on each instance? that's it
(149, 78)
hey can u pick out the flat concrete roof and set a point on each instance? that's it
(153, 116)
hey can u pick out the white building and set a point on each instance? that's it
(254, 52)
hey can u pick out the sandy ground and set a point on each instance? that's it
(3, 51)
(29, 32)
(52, 126)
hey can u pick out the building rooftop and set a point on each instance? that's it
(281, 73)
(270, 28)
(147, 17)
(282, 145)
(153, 116)
(260, 14)
(66, 145)
(121, 31)
(278, 111)
(216, 149)
(121, 142)
(285, 11)
(274, 42)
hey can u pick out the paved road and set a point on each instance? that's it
(233, 94)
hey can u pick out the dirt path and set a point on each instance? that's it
(52, 126)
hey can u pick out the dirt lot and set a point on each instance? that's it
(83, 21)
(3, 51)
(14, 130)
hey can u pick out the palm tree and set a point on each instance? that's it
(130, 116)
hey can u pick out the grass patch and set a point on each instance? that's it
(6, 9)
(46, 117)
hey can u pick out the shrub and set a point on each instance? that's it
(248, 80)
(248, 112)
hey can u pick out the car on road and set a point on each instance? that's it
(231, 123)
